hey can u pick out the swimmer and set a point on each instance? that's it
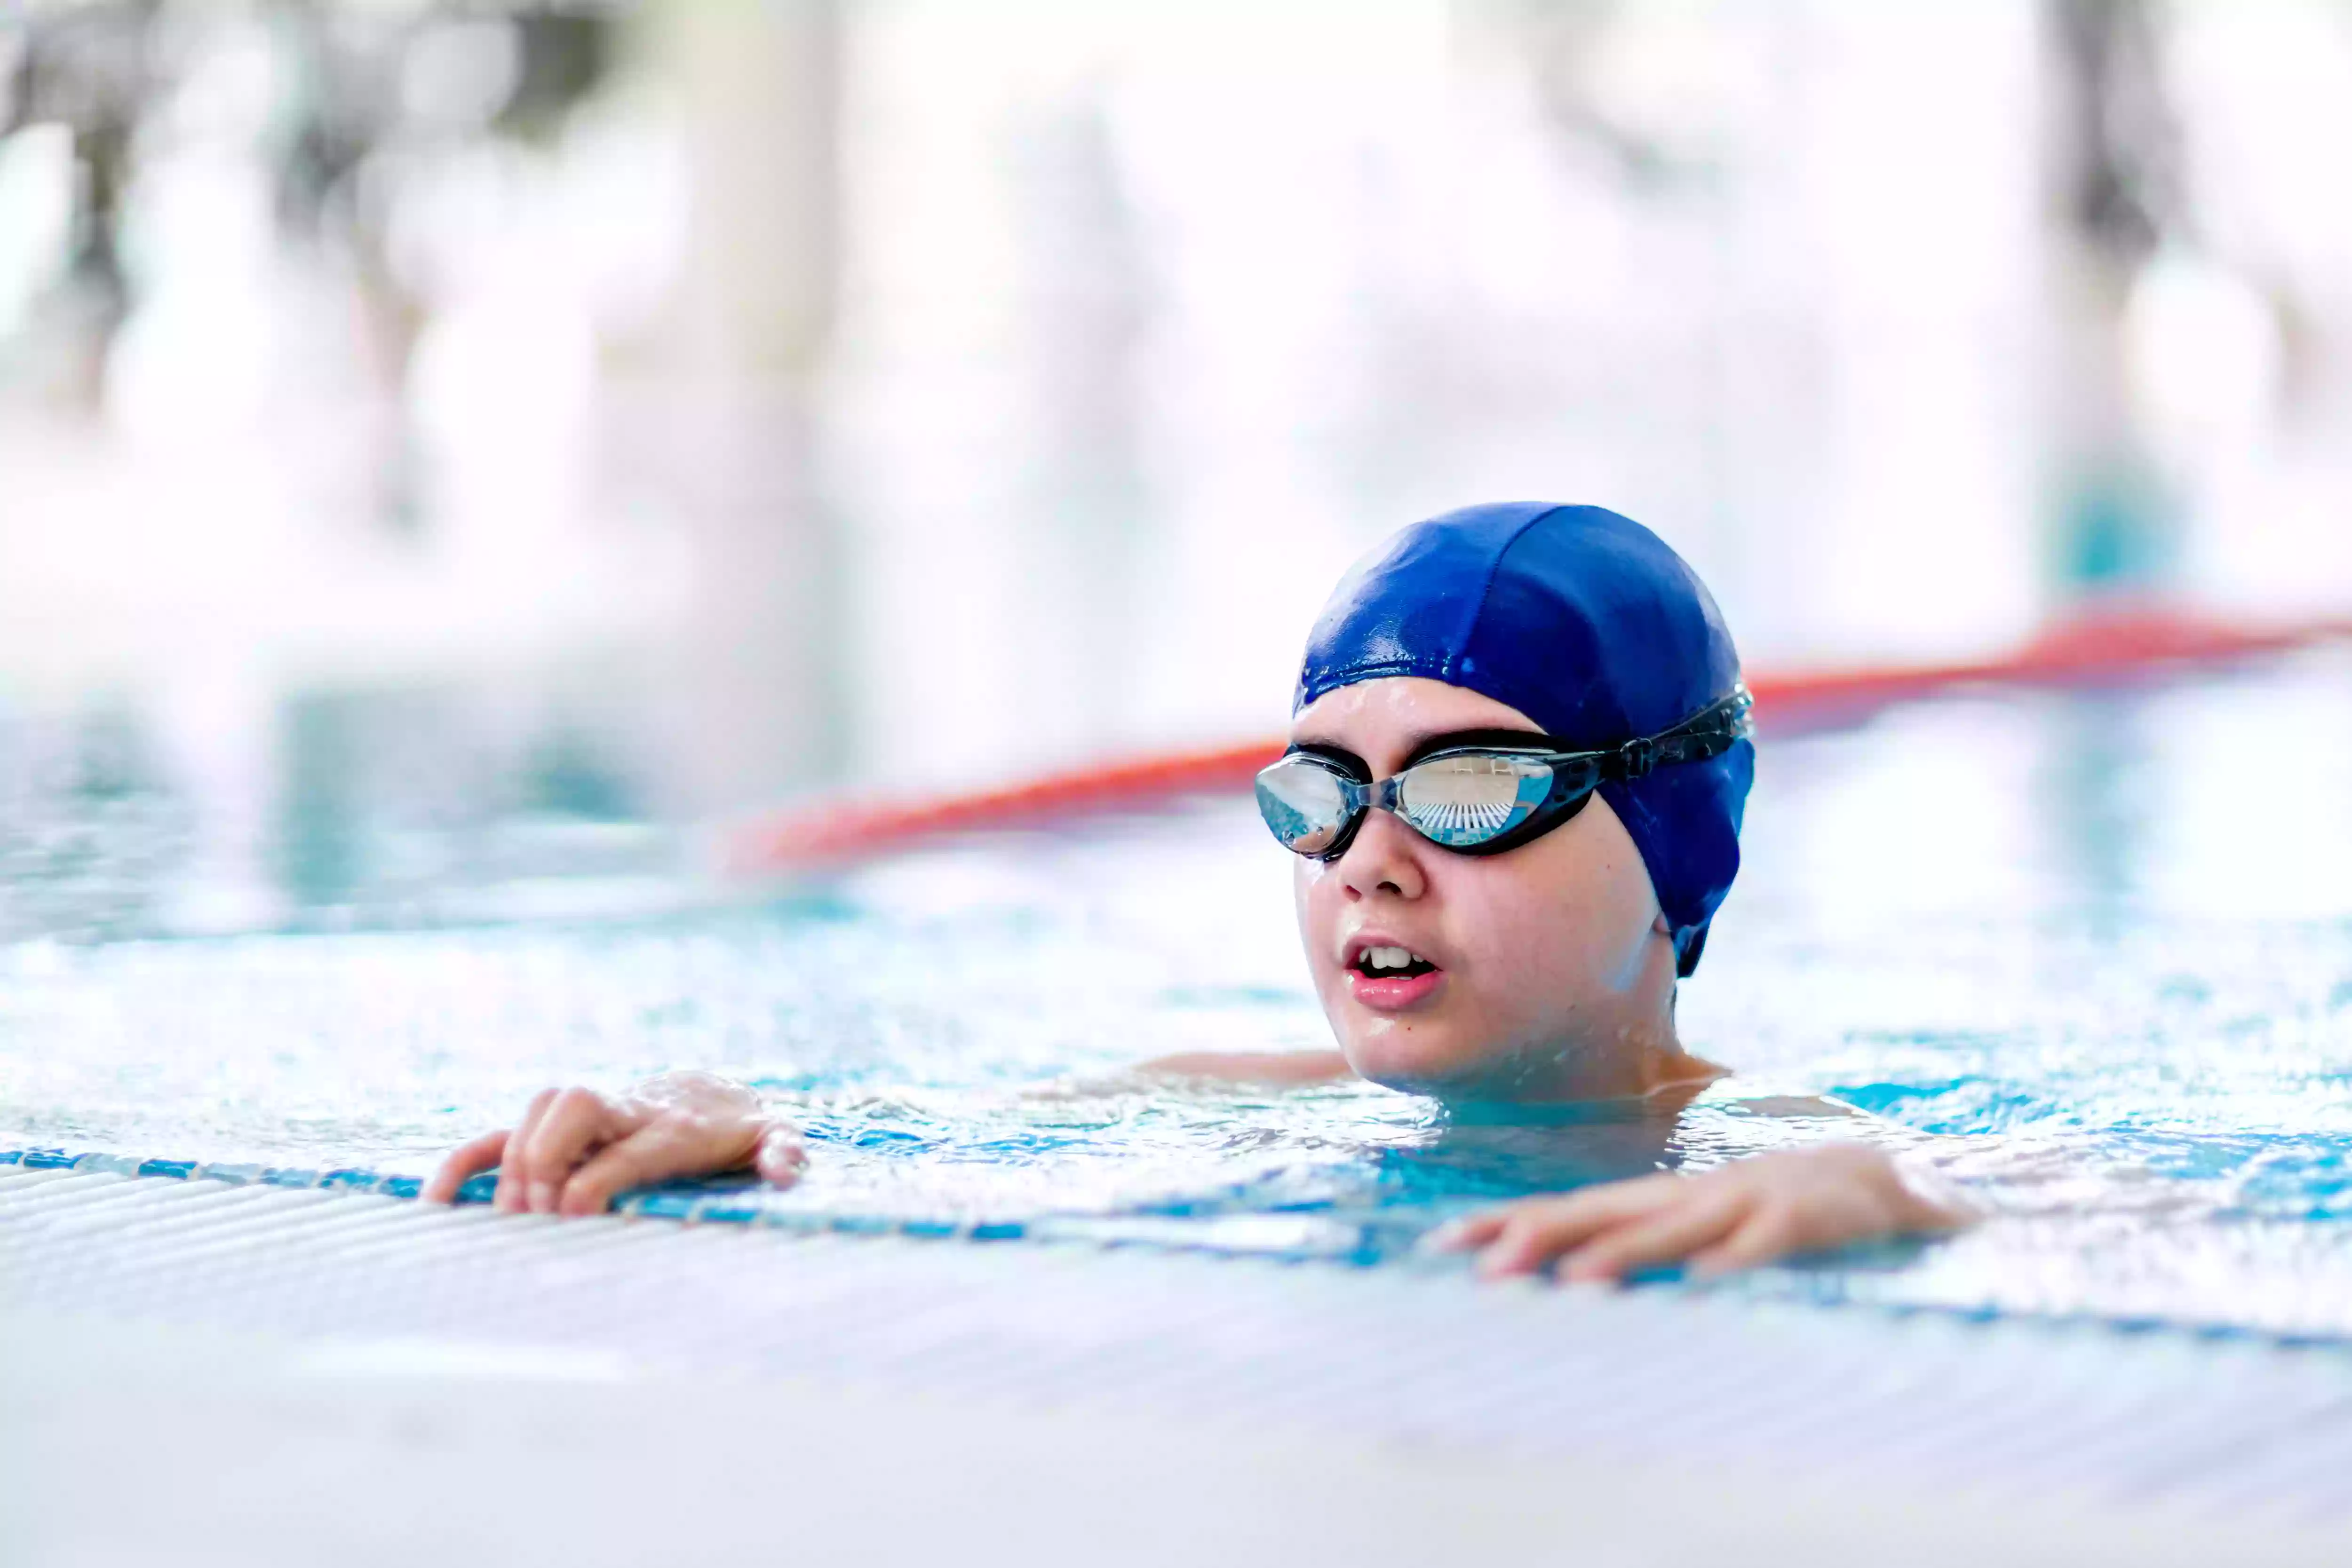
(1519, 760)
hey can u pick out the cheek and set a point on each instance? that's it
(1569, 921)
(1310, 893)
(1589, 922)
(1504, 927)
(1317, 895)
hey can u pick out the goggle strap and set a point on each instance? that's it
(1696, 738)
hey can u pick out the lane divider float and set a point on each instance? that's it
(2108, 646)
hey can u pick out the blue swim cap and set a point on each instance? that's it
(1586, 623)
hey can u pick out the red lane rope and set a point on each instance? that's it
(2086, 651)
(2112, 645)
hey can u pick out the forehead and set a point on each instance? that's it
(1387, 717)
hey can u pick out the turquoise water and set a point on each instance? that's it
(2094, 949)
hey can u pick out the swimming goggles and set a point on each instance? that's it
(1476, 792)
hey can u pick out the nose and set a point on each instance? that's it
(1385, 857)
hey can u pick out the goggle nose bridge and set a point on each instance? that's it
(1361, 798)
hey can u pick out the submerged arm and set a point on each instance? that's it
(1273, 1068)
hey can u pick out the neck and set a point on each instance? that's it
(1633, 1063)
(1632, 1052)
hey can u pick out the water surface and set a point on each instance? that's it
(2095, 949)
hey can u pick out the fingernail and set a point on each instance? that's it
(1446, 1238)
(542, 1197)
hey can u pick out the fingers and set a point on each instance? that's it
(666, 1147)
(1703, 1214)
(1746, 1213)
(1470, 1230)
(1601, 1232)
(574, 1148)
(1533, 1234)
(782, 1156)
(555, 1159)
(1767, 1235)
(510, 1197)
(577, 1122)
(478, 1155)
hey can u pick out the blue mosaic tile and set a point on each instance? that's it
(479, 1189)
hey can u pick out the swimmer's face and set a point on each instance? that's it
(1551, 965)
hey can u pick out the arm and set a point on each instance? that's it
(575, 1148)
(1737, 1216)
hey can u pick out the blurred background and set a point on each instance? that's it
(447, 441)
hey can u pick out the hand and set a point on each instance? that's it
(574, 1148)
(1737, 1216)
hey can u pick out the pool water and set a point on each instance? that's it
(2091, 949)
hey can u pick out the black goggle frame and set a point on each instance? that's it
(1576, 774)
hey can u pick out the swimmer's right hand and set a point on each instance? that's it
(575, 1149)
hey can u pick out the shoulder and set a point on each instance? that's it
(1733, 1098)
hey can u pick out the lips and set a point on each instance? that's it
(1390, 976)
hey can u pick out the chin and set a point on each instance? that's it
(1428, 1060)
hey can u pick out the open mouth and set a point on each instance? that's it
(1391, 964)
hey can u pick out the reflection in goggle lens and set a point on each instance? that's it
(1471, 798)
(1304, 802)
(1458, 801)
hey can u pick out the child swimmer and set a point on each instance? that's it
(1519, 760)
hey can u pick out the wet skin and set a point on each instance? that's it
(1550, 978)
(1554, 972)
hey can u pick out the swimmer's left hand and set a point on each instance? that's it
(1737, 1216)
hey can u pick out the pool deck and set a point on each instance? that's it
(196, 1373)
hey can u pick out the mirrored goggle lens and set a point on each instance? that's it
(1305, 804)
(1471, 798)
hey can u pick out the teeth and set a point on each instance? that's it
(1386, 959)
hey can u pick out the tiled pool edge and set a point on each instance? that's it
(1401, 1360)
(697, 1203)
(302, 1458)
(717, 1204)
